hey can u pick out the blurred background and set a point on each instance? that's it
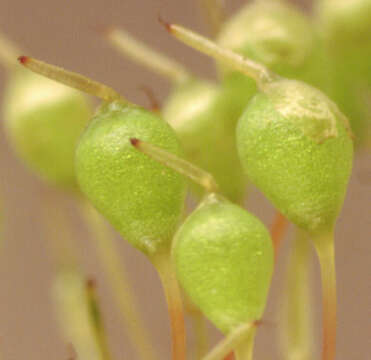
(64, 33)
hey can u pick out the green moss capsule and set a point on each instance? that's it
(43, 120)
(295, 145)
(293, 141)
(278, 35)
(224, 261)
(345, 27)
(223, 255)
(142, 199)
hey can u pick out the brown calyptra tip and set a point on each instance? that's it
(165, 24)
(135, 142)
(261, 322)
(230, 356)
(23, 59)
(72, 352)
(104, 30)
(91, 283)
(155, 105)
(258, 322)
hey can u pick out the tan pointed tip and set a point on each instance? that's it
(262, 322)
(165, 24)
(23, 59)
(72, 351)
(154, 103)
(258, 323)
(91, 283)
(104, 30)
(135, 142)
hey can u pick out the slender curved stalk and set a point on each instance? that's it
(297, 330)
(96, 319)
(73, 313)
(1, 228)
(246, 349)
(150, 58)
(324, 244)
(278, 230)
(233, 341)
(120, 284)
(162, 260)
(8, 52)
(200, 333)
(201, 338)
(163, 264)
(68, 286)
(1, 244)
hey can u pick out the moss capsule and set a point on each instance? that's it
(345, 27)
(224, 261)
(293, 141)
(295, 145)
(278, 35)
(43, 121)
(142, 200)
(223, 255)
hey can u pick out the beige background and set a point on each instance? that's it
(62, 32)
